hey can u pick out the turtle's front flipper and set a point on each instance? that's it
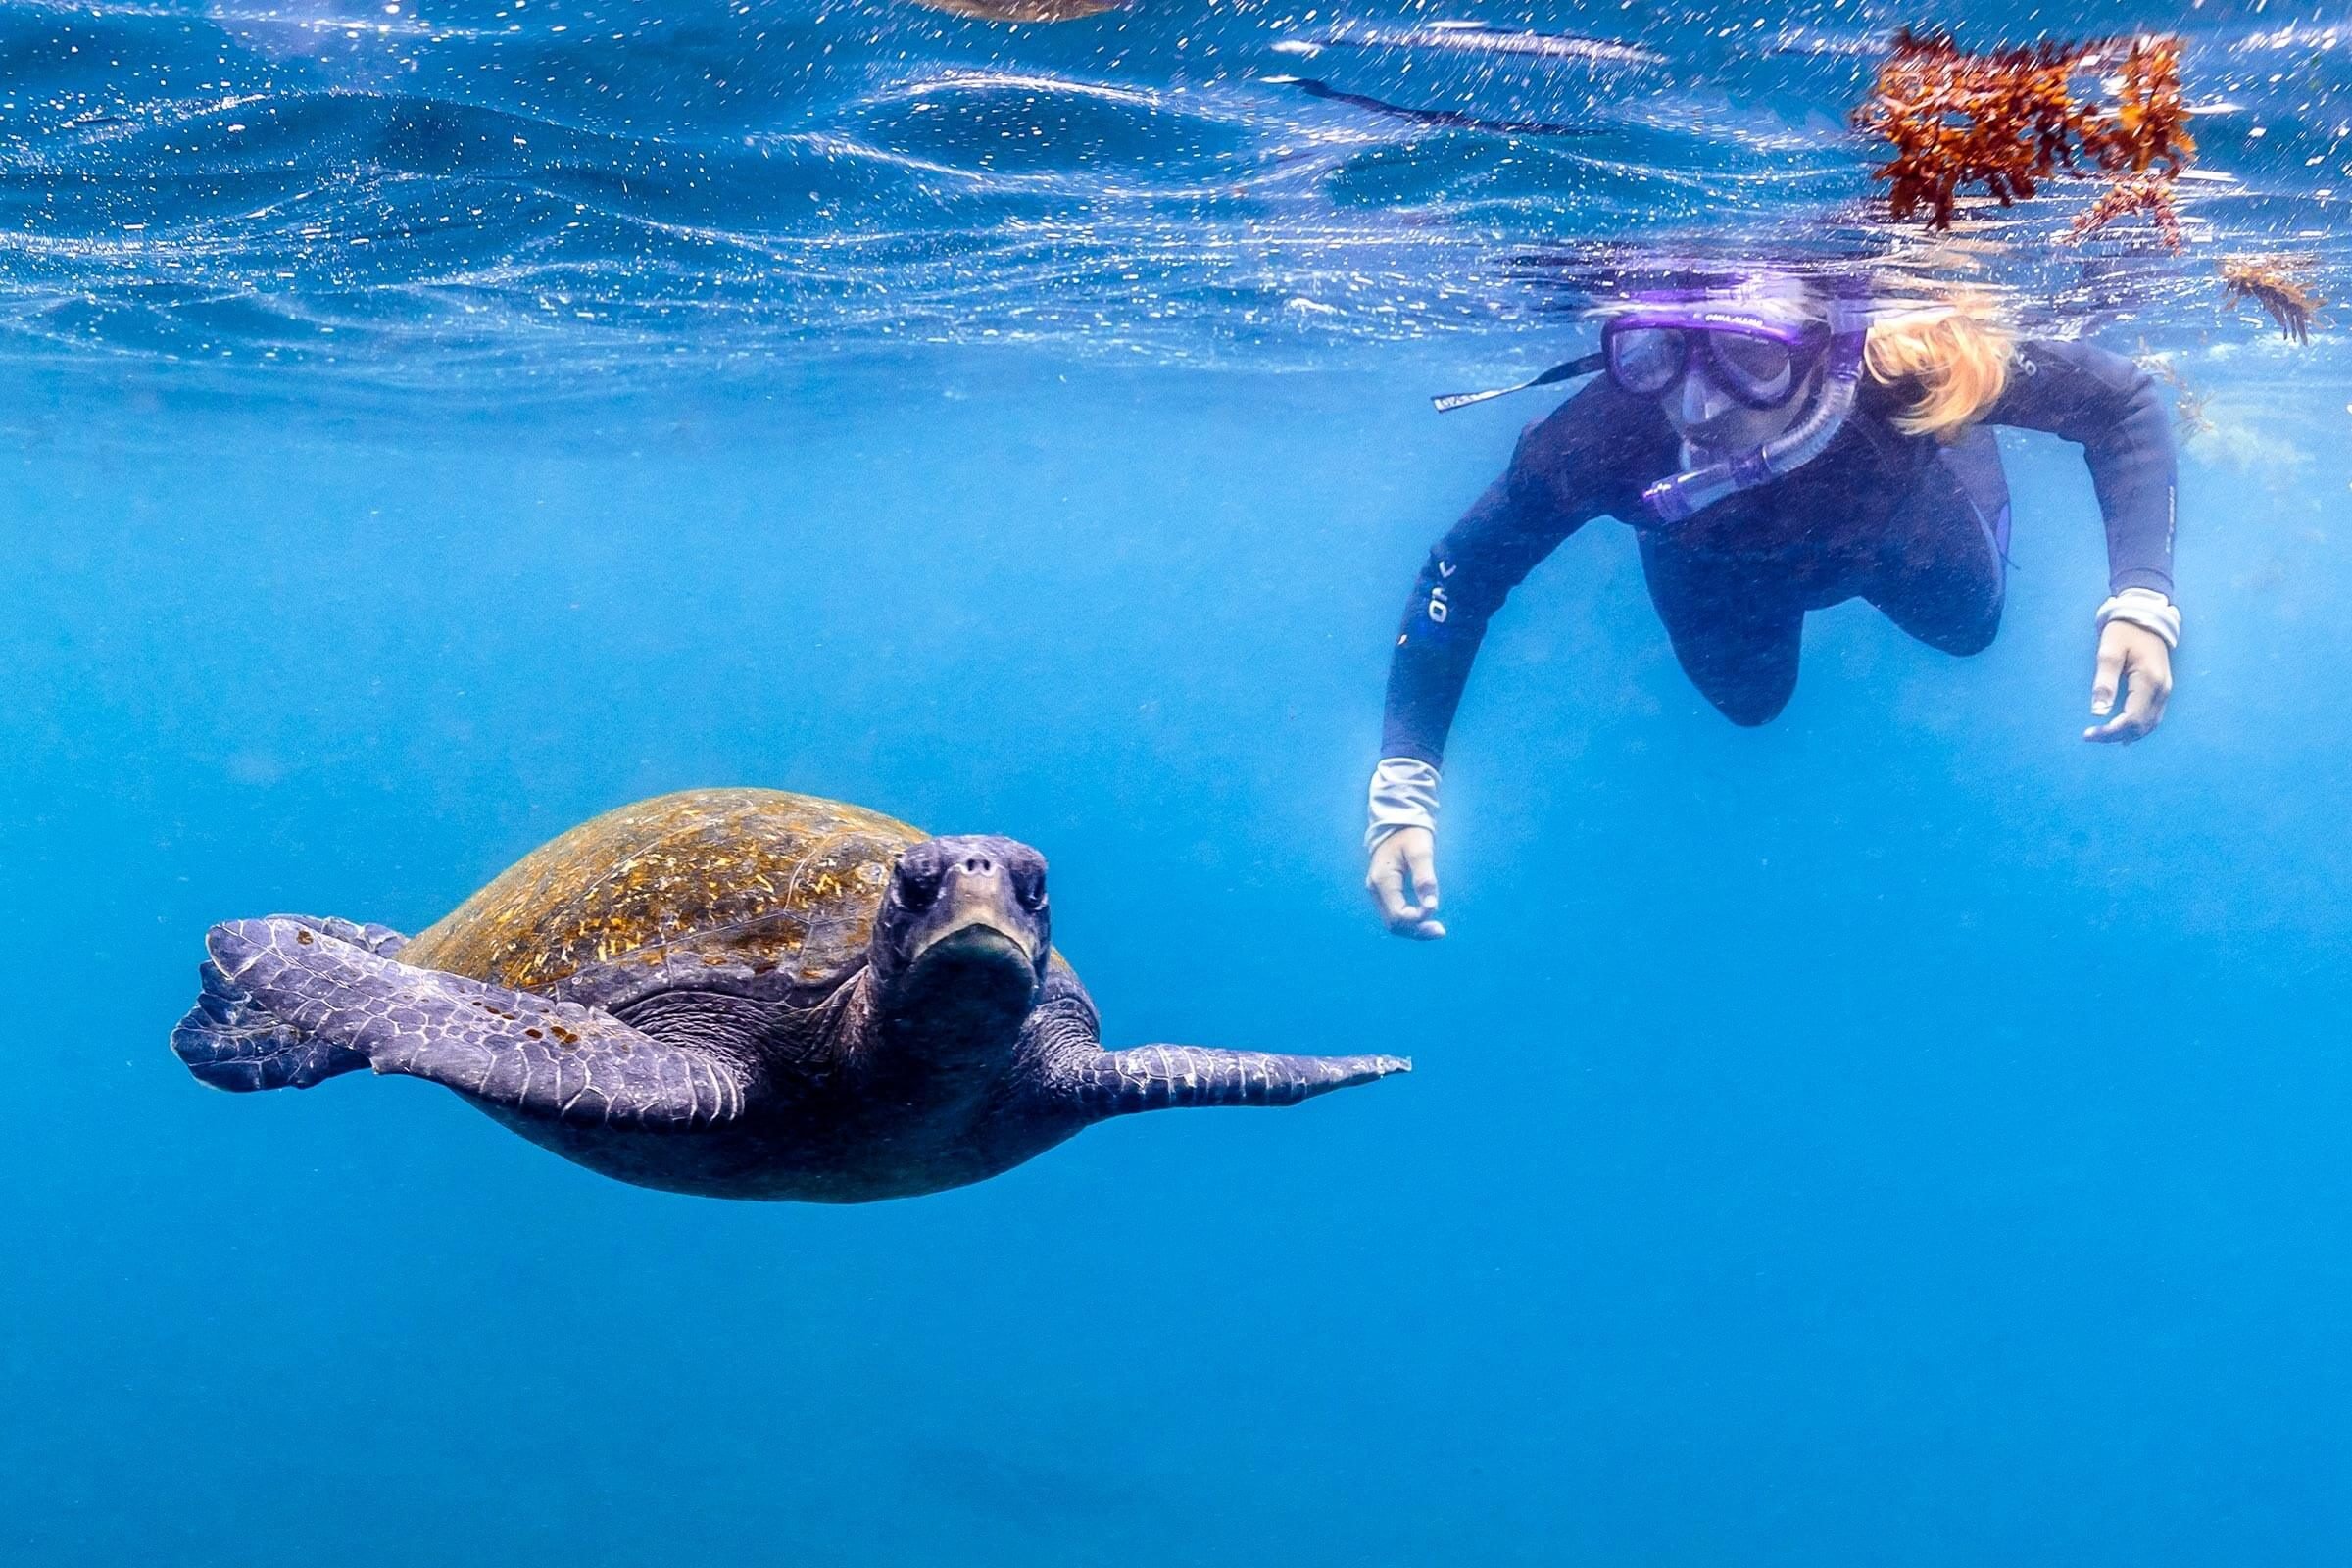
(1116, 1083)
(550, 1058)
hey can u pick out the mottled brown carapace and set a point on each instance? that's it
(2277, 284)
(2008, 121)
(740, 878)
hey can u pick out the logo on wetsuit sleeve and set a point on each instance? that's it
(1438, 610)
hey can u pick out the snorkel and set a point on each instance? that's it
(1683, 495)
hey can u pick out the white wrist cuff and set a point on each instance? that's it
(1404, 794)
(2144, 607)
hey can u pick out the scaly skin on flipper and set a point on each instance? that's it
(552, 1059)
(1119, 1083)
(231, 1042)
(1076, 1070)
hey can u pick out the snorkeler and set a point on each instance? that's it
(1780, 444)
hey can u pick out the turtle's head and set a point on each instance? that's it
(962, 942)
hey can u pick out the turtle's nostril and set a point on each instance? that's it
(978, 864)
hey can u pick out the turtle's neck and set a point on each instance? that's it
(950, 1023)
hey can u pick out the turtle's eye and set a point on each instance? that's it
(916, 891)
(1030, 889)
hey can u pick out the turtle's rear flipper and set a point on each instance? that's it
(230, 1041)
(525, 1053)
(233, 1042)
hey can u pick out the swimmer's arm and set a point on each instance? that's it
(2113, 410)
(1550, 491)
(1547, 494)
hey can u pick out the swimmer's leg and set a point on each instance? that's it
(1738, 637)
(1941, 574)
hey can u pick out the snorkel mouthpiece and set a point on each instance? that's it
(1684, 495)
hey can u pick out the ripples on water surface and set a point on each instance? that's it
(419, 191)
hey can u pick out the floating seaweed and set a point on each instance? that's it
(2003, 121)
(2189, 414)
(2135, 193)
(2188, 404)
(2277, 284)
(2011, 119)
(2151, 117)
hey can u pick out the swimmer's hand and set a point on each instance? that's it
(2140, 662)
(1410, 853)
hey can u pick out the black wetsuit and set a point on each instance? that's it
(1918, 528)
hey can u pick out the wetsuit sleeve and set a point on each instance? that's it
(1553, 487)
(2111, 408)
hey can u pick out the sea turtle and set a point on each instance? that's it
(735, 992)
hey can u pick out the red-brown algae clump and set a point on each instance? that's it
(2275, 283)
(2011, 119)
(2139, 193)
(2188, 404)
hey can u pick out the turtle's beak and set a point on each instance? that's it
(977, 941)
(976, 917)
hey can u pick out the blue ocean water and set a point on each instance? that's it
(1903, 1134)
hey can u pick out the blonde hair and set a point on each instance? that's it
(1956, 352)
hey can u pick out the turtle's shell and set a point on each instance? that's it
(753, 891)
